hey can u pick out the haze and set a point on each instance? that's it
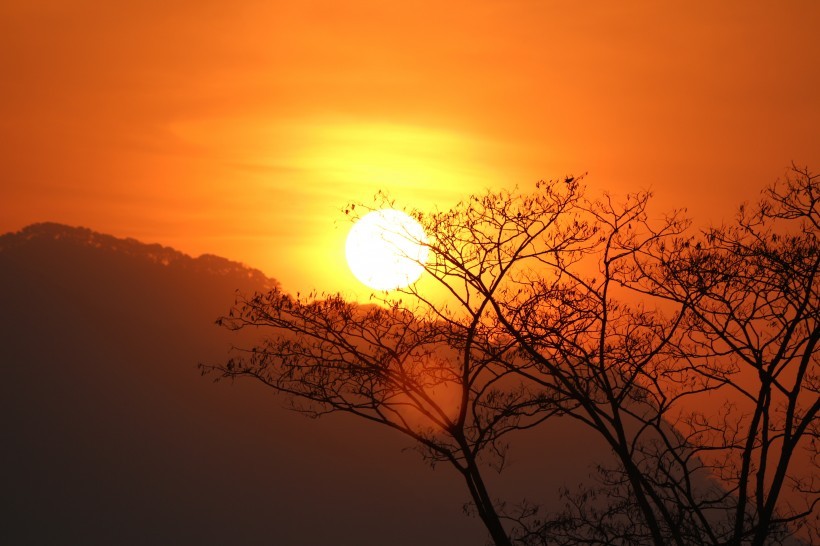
(242, 128)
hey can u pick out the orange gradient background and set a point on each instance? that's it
(243, 128)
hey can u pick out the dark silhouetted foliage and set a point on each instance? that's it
(691, 355)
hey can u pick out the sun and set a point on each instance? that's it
(386, 249)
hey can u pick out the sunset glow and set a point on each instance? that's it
(539, 272)
(386, 249)
(242, 129)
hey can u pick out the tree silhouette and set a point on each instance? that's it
(562, 304)
(751, 291)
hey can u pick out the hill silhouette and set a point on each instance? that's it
(112, 436)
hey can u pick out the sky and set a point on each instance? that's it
(243, 128)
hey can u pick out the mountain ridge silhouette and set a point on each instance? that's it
(167, 256)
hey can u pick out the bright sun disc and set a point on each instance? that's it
(386, 249)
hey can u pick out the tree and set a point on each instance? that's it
(744, 328)
(751, 290)
(560, 304)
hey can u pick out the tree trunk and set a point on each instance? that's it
(484, 506)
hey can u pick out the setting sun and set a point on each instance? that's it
(386, 249)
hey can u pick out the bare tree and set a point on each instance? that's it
(736, 376)
(559, 304)
(438, 375)
(751, 290)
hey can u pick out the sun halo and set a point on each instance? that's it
(386, 249)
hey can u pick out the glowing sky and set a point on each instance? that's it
(242, 128)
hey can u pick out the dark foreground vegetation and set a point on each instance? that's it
(691, 353)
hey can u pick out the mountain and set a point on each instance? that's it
(111, 436)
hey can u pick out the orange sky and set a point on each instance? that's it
(242, 128)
